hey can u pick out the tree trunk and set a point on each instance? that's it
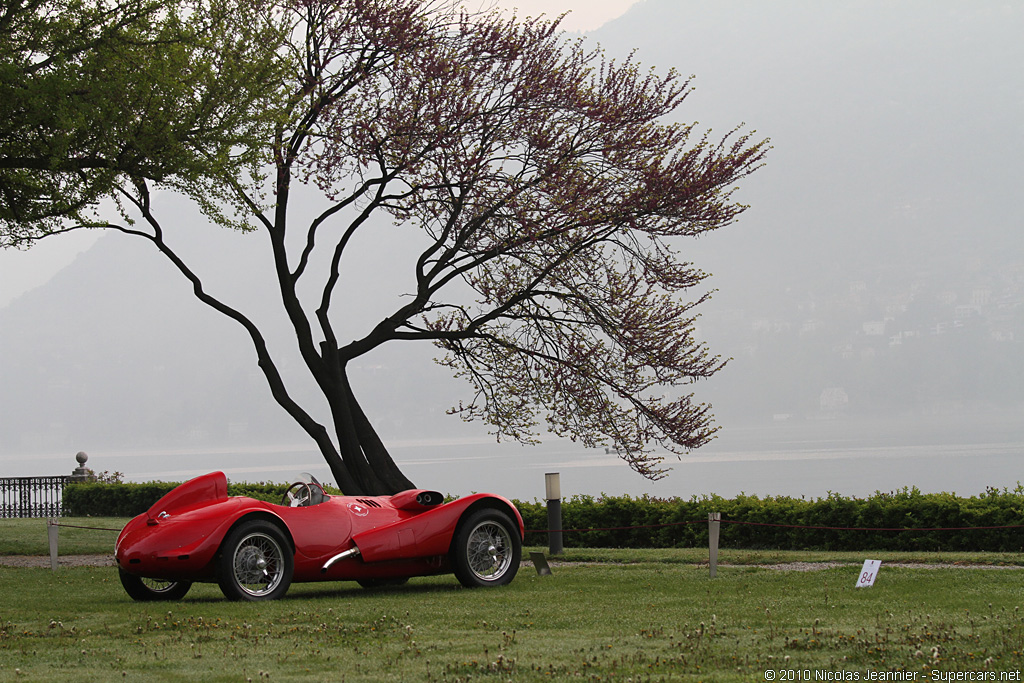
(365, 467)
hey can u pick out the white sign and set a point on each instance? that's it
(868, 573)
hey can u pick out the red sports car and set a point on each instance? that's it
(255, 549)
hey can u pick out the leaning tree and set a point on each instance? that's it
(547, 190)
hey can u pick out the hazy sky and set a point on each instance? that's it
(886, 204)
(584, 15)
(22, 271)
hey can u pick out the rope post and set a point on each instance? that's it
(51, 536)
(714, 527)
(553, 494)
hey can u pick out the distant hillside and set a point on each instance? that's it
(881, 254)
(116, 351)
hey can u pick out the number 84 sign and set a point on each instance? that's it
(868, 573)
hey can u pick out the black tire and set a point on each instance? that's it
(147, 590)
(255, 563)
(486, 549)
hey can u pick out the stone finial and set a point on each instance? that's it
(81, 473)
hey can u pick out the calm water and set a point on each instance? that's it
(799, 459)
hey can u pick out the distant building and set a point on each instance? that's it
(833, 400)
(874, 328)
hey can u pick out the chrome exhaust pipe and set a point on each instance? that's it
(351, 552)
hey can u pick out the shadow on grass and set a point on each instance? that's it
(348, 591)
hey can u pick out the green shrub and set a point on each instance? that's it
(96, 499)
(119, 499)
(883, 521)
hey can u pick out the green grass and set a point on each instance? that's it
(28, 536)
(656, 619)
(727, 556)
(651, 614)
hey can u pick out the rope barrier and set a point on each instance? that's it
(703, 521)
(613, 528)
(784, 526)
(51, 536)
(76, 526)
(856, 528)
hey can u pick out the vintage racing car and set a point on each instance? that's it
(255, 549)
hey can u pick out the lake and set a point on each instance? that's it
(804, 458)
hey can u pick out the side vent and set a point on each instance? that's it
(369, 502)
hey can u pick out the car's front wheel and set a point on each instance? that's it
(255, 562)
(486, 549)
(146, 590)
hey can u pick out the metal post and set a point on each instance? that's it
(51, 536)
(714, 527)
(553, 494)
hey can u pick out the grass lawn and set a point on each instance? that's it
(623, 615)
(28, 536)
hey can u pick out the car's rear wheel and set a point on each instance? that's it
(255, 562)
(486, 549)
(146, 590)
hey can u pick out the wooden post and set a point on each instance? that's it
(714, 527)
(51, 536)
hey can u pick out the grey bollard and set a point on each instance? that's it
(553, 494)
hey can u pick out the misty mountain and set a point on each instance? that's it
(116, 352)
(878, 270)
(880, 260)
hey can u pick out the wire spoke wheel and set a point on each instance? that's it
(146, 589)
(487, 550)
(256, 563)
(158, 585)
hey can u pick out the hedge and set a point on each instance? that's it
(856, 523)
(96, 499)
(646, 522)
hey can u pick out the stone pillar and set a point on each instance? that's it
(81, 473)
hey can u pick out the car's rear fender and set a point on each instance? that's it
(203, 491)
(210, 547)
(185, 545)
(501, 505)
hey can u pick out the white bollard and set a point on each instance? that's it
(51, 535)
(714, 526)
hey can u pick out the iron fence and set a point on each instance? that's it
(32, 496)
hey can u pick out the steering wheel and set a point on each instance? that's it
(298, 495)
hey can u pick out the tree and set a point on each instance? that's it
(548, 194)
(94, 93)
